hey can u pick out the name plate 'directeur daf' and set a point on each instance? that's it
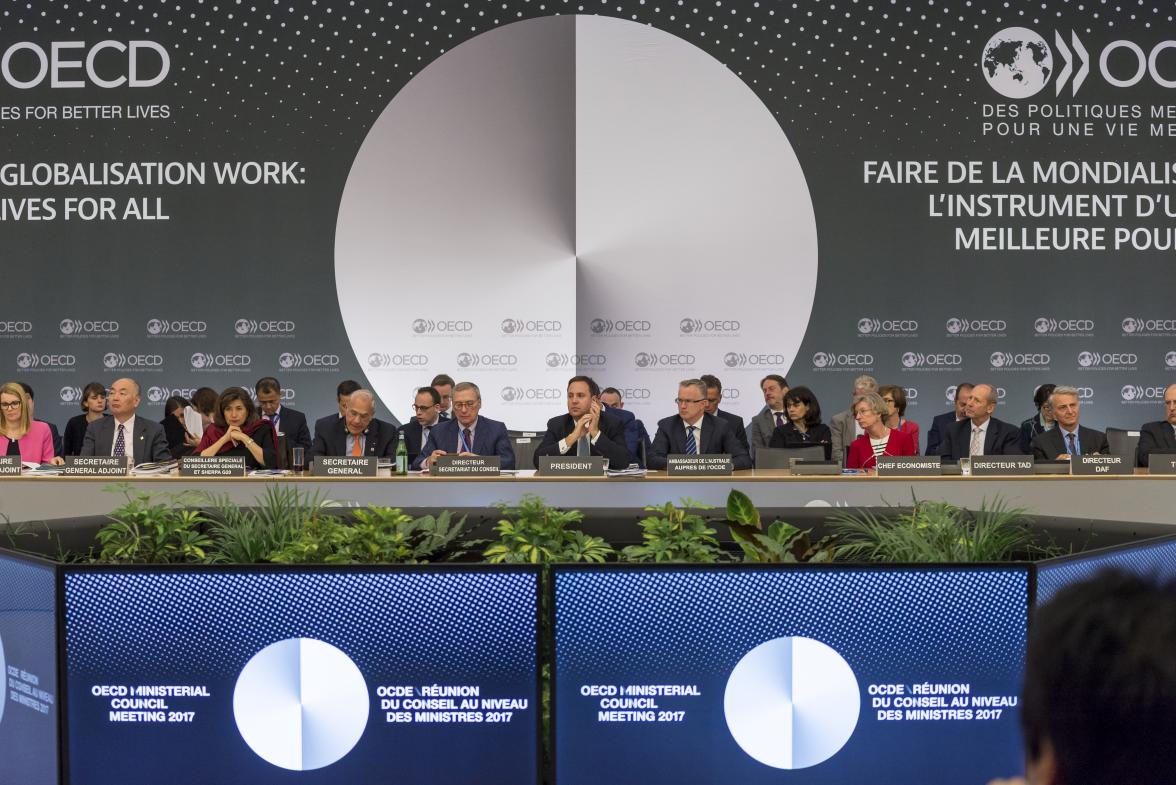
(698, 465)
(344, 466)
(571, 466)
(9, 465)
(212, 466)
(95, 466)
(910, 466)
(1003, 465)
(1086, 465)
(466, 466)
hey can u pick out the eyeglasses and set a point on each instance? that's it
(423, 408)
(681, 401)
(10, 405)
(465, 404)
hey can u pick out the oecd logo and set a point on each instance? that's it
(1134, 325)
(156, 394)
(1135, 393)
(286, 360)
(999, 359)
(687, 326)
(955, 326)
(487, 361)
(659, 360)
(202, 361)
(910, 360)
(67, 326)
(154, 326)
(1170, 359)
(420, 326)
(110, 360)
(510, 394)
(113, 360)
(1041, 325)
(1130, 392)
(15, 327)
(1044, 325)
(71, 394)
(268, 328)
(385, 360)
(176, 327)
(741, 360)
(292, 361)
(959, 326)
(820, 360)
(608, 327)
(690, 326)
(1007, 361)
(934, 361)
(77, 328)
(442, 326)
(531, 326)
(29, 361)
(523, 394)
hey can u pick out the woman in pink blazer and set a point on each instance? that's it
(20, 434)
(870, 411)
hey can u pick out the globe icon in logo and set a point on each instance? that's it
(997, 359)
(241, 326)
(286, 360)
(643, 359)
(375, 360)
(554, 360)
(1041, 325)
(1130, 324)
(70, 394)
(731, 359)
(910, 359)
(67, 326)
(110, 359)
(465, 359)
(24, 360)
(199, 360)
(955, 325)
(1170, 359)
(865, 326)
(1017, 62)
(597, 326)
(510, 393)
(155, 326)
(156, 394)
(950, 394)
(821, 360)
(509, 326)
(1128, 392)
(419, 326)
(1085, 359)
(686, 325)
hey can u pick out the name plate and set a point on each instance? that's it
(1159, 463)
(816, 468)
(212, 466)
(1005, 465)
(699, 465)
(9, 465)
(1086, 465)
(344, 466)
(466, 466)
(910, 466)
(571, 466)
(95, 466)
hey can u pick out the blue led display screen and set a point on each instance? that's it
(1152, 559)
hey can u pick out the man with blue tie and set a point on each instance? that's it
(1068, 437)
(467, 433)
(124, 434)
(694, 432)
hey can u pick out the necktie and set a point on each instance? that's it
(691, 444)
(443, 416)
(779, 419)
(1073, 448)
(357, 447)
(425, 435)
(120, 444)
(584, 446)
(467, 441)
(977, 444)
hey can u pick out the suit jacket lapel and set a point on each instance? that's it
(1169, 436)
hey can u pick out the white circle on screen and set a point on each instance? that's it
(792, 703)
(301, 704)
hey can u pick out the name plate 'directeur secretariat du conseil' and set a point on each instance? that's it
(95, 466)
(699, 465)
(212, 466)
(571, 466)
(466, 466)
(344, 466)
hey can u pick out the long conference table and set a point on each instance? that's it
(1138, 498)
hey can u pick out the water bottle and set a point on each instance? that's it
(401, 457)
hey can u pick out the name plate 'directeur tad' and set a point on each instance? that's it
(95, 466)
(910, 466)
(9, 465)
(571, 466)
(1003, 465)
(212, 466)
(1159, 463)
(1086, 465)
(699, 465)
(466, 466)
(344, 466)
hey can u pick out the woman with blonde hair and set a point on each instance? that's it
(20, 434)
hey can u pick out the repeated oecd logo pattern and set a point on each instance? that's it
(264, 328)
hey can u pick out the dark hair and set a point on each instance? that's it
(442, 379)
(28, 390)
(899, 395)
(173, 402)
(960, 388)
(1042, 395)
(432, 393)
(710, 381)
(774, 377)
(613, 391)
(228, 396)
(593, 387)
(90, 390)
(1100, 681)
(204, 401)
(347, 387)
(267, 384)
(804, 395)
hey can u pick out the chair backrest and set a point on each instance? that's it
(524, 448)
(1123, 442)
(781, 457)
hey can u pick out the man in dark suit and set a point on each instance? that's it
(443, 384)
(980, 433)
(694, 432)
(585, 424)
(467, 433)
(714, 396)
(636, 437)
(342, 396)
(287, 422)
(1159, 436)
(1068, 438)
(426, 409)
(774, 387)
(358, 433)
(57, 449)
(944, 422)
(124, 433)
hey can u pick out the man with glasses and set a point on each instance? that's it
(694, 432)
(426, 409)
(1159, 436)
(287, 422)
(443, 384)
(123, 433)
(1068, 438)
(467, 433)
(358, 433)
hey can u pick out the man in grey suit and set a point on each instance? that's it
(124, 433)
(843, 425)
(774, 387)
(1068, 437)
(1159, 436)
(714, 396)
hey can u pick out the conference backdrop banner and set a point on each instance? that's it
(512, 192)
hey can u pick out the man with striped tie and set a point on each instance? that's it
(694, 432)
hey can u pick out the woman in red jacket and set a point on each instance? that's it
(870, 411)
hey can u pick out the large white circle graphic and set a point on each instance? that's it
(567, 193)
(792, 703)
(301, 704)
